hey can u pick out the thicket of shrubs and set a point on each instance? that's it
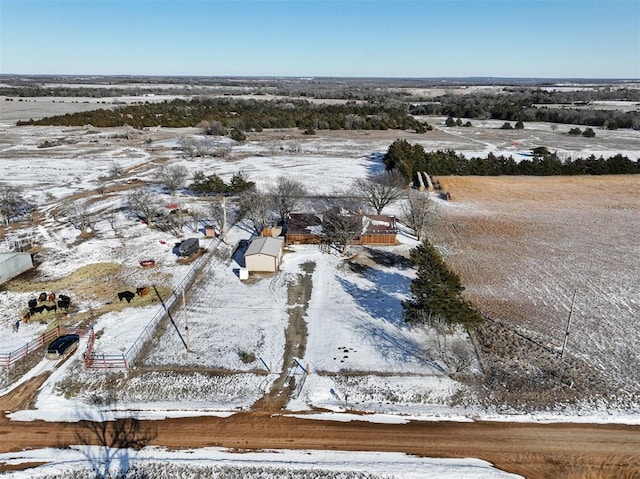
(213, 184)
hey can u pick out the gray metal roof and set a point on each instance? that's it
(13, 254)
(265, 245)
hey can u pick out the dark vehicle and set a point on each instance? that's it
(63, 347)
(188, 247)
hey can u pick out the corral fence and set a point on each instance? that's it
(10, 359)
(101, 361)
(126, 359)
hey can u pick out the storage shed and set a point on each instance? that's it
(13, 264)
(264, 254)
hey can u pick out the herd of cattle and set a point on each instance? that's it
(49, 302)
(36, 305)
(129, 295)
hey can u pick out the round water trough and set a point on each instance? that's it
(148, 263)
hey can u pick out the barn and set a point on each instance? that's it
(264, 254)
(13, 264)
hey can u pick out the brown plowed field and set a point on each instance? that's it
(533, 250)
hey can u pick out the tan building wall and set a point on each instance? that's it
(261, 262)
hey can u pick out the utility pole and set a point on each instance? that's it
(186, 324)
(566, 333)
(224, 219)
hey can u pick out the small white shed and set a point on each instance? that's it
(13, 264)
(264, 254)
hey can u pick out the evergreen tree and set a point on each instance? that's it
(437, 291)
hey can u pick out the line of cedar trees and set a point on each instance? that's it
(535, 105)
(437, 292)
(245, 115)
(405, 158)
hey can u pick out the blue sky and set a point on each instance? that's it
(392, 38)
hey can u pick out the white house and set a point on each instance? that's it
(13, 264)
(264, 254)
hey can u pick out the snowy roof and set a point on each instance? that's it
(379, 224)
(304, 224)
(265, 245)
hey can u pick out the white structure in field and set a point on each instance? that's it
(264, 254)
(13, 264)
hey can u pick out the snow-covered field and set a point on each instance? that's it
(212, 463)
(360, 354)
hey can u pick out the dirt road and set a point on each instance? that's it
(532, 450)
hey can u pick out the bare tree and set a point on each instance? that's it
(12, 203)
(451, 349)
(342, 221)
(172, 221)
(144, 204)
(216, 128)
(223, 151)
(286, 195)
(173, 177)
(203, 126)
(256, 207)
(188, 145)
(417, 210)
(222, 215)
(80, 217)
(380, 191)
(113, 223)
(115, 170)
(197, 214)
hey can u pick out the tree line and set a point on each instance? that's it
(535, 105)
(406, 159)
(244, 115)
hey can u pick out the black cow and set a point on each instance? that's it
(53, 307)
(62, 304)
(64, 297)
(128, 295)
(37, 309)
(33, 303)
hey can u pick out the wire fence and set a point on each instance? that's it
(126, 359)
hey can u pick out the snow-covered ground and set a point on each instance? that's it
(216, 463)
(353, 319)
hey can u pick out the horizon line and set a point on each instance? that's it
(312, 77)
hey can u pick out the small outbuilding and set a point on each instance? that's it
(188, 247)
(13, 264)
(264, 254)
